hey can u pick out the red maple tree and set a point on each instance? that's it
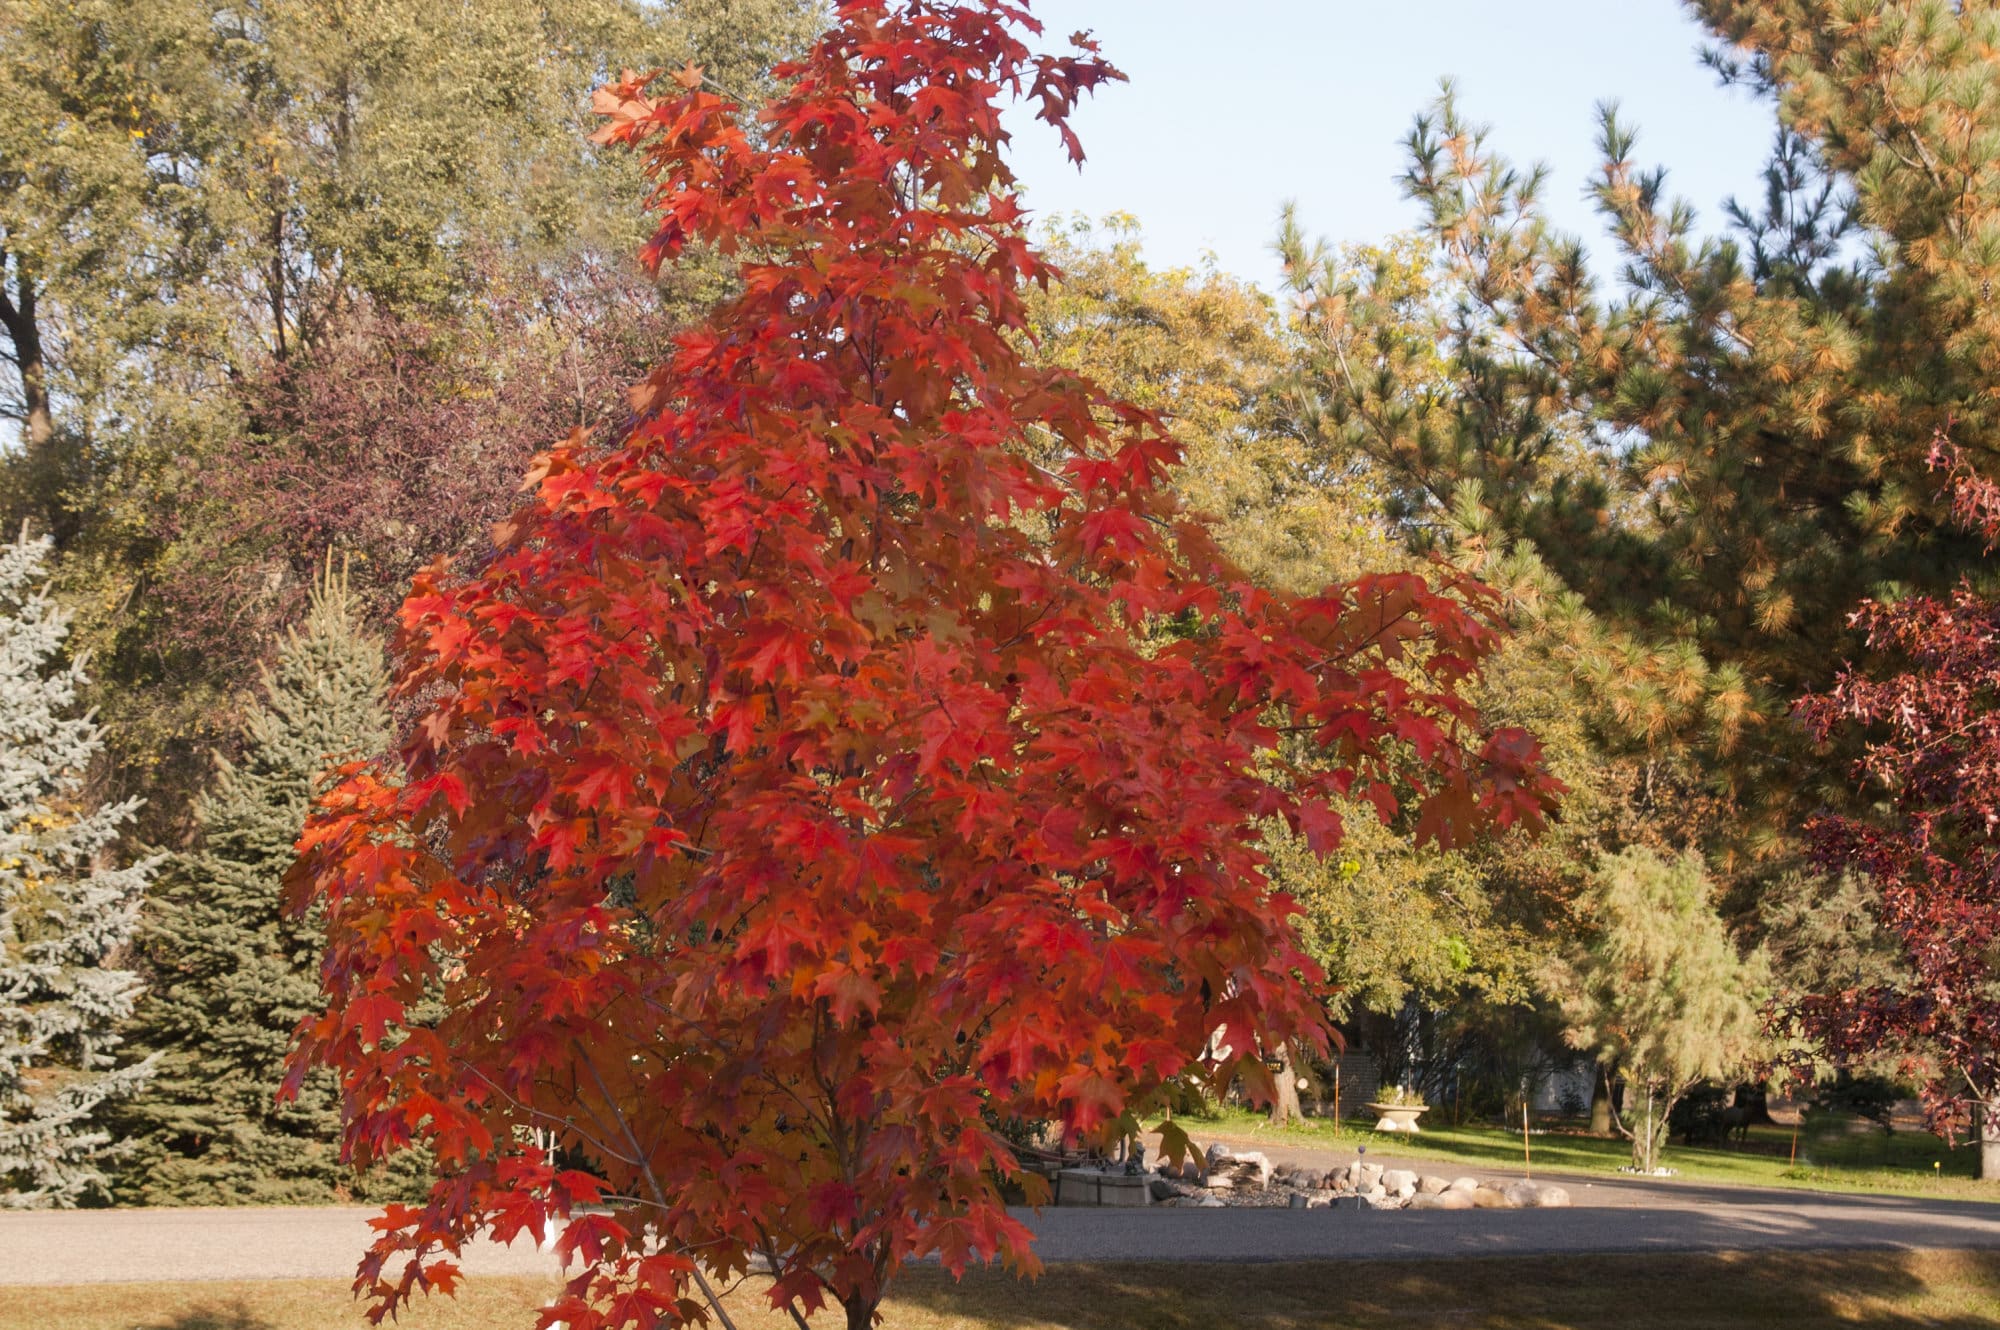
(1929, 707)
(818, 775)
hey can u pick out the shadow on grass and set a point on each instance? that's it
(207, 1316)
(1866, 1290)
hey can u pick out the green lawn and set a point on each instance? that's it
(1910, 1162)
(1859, 1290)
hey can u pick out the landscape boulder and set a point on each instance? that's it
(1486, 1198)
(1536, 1195)
(1399, 1181)
(1441, 1200)
(1464, 1184)
(1228, 1170)
(1250, 1169)
(1430, 1184)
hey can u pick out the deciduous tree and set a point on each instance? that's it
(197, 200)
(1295, 508)
(808, 772)
(1928, 704)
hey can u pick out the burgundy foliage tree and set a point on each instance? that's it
(1930, 713)
(394, 439)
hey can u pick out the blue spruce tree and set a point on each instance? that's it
(66, 913)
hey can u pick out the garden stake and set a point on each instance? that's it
(1527, 1159)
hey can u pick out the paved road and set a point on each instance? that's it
(100, 1246)
(1603, 1219)
(275, 1242)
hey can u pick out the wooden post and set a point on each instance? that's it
(1527, 1158)
(1336, 1095)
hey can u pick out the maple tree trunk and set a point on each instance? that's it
(277, 291)
(41, 419)
(1285, 1106)
(1986, 1126)
(860, 1312)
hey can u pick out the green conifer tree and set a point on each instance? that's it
(65, 913)
(1696, 472)
(1661, 990)
(233, 972)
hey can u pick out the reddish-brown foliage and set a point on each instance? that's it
(393, 440)
(811, 779)
(1931, 714)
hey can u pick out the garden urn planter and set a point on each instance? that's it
(1396, 1117)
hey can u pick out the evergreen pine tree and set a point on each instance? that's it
(234, 973)
(1698, 472)
(1661, 990)
(65, 914)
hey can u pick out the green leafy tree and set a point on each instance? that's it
(1660, 989)
(234, 973)
(1208, 351)
(1296, 508)
(105, 111)
(66, 914)
(196, 200)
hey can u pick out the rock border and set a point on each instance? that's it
(1248, 1178)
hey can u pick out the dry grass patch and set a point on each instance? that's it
(1872, 1290)
(261, 1304)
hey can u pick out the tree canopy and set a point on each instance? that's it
(1701, 472)
(807, 774)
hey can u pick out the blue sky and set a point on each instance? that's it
(1235, 107)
